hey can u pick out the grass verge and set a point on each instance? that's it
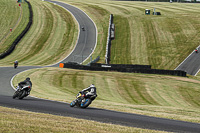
(14, 120)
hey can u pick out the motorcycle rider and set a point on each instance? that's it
(196, 50)
(90, 92)
(16, 63)
(83, 28)
(26, 82)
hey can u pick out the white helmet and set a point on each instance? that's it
(92, 85)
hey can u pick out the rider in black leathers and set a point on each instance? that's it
(15, 64)
(90, 92)
(27, 82)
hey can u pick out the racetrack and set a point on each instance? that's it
(59, 108)
(87, 38)
(190, 64)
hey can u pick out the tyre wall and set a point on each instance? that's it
(124, 68)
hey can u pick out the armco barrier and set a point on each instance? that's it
(12, 47)
(124, 68)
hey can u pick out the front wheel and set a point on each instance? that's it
(73, 103)
(86, 103)
(23, 93)
(15, 94)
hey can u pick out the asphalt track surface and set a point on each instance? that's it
(101, 115)
(87, 37)
(191, 64)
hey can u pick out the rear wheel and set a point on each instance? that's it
(86, 103)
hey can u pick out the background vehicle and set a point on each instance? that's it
(21, 92)
(82, 100)
(15, 65)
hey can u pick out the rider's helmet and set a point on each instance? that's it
(92, 85)
(28, 79)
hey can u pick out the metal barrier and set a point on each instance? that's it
(107, 55)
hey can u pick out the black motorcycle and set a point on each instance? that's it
(22, 92)
(82, 100)
(83, 29)
(15, 65)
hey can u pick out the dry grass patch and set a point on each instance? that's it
(14, 120)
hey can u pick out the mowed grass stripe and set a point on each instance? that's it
(62, 40)
(49, 44)
(43, 37)
(120, 52)
(189, 94)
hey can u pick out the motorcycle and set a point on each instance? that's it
(22, 92)
(82, 100)
(83, 29)
(15, 65)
